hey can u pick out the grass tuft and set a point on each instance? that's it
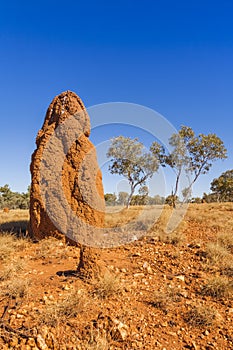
(218, 287)
(200, 316)
(64, 309)
(107, 286)
(16, 288)
(217, 253)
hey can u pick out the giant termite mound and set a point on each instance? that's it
(81, 178)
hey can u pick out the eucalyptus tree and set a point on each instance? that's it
(129, 158)
(194, 155)
(222, 187)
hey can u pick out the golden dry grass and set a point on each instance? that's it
(63, 309)
(14, 221)
(107, 285)
(154, 219)
(218, 287)
(9, 244)
(200, 316)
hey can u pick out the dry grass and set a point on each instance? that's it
(11, 269)
(153, 220)
(60, 311)
(216, 253)
(17, 287)
(219, 256)
(50, 247)
(218, 287)
(225, 239)
(160, 301)
(174, 238)
(217, 216)
(119, 216)
(136, 217)
(98, 340)
(164, 299)
(200, 316)
(14, 221)
(107, 285)
(14, 215)
(226, 267)
(9, 244)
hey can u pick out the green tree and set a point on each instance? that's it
(143, 193)
(129, 159)
(158, 199)
(142, 197)
(222, 187)
(179, 158)
(196, 200)
(172, 200)
(6, 196)
(204, 150)
(110, 198)
(14, 200)
(193, 154)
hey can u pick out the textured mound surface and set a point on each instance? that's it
(66, 189)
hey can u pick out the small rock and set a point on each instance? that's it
(136, 254)
(174, 334)
(13, 342)
(41, 342)
(195, 346)
(25, 347)
(50, 340)
(181, 278)
(149, 269)
(66, 287)
(121, 332)
(31, 342)
(184, 294)
(138, 274)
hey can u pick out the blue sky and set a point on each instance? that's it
(175, 57)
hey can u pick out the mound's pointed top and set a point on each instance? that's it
(64, 105)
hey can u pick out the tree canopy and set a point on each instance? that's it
(13, 200)
(193, 155)
(129, 159)
(222, 187)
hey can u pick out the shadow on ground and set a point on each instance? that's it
(17, 227)
(67, 273)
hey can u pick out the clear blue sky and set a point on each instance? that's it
(173, 56)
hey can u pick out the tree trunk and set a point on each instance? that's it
(177, 183)
(130, 197)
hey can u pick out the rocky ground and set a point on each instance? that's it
(160, 292)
